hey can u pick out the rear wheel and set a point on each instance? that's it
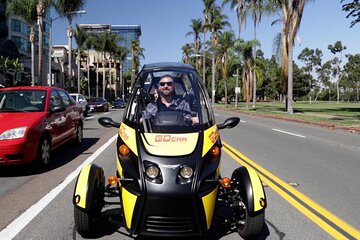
(79, 135)
(44, 151)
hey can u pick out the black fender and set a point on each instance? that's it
(251, 189)
(90, 189)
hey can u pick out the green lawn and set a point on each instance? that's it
(342, 114)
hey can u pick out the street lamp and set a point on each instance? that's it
(50, 39)
(237, 88)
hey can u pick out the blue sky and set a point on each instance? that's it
(164, 24)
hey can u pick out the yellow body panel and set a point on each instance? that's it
(128, 201)
(128, 135)
(258, 191)
(82, 186)
(211, 135)
(209, 205)
(170, 144)
(119, 167)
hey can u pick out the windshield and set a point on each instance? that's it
(22, 100)
(169, 101)
(97, 100)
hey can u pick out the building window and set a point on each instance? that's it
(21, 43)
(15, 25)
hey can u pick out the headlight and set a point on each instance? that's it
(186, 172)
(13, 133)
(152, 171)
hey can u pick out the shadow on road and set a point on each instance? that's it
(60, 157)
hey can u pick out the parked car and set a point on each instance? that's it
(36, 120)
(82, 101)
(119, 103)
(99, 104)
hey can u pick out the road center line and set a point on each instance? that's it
(293, 134)
(332, 224)
(24, 219)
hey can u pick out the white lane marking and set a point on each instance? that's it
(20, 223)
(242, 121)
(293, 134)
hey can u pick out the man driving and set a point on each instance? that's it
(167, 101)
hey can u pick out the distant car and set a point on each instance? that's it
(119, 103)
(82, 101)
(99, 104)
(36, 120)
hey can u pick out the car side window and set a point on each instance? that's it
(55, 100)
(66, 99)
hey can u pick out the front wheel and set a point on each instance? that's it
(84, 222)
(250, 226)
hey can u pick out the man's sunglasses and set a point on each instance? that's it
(167, 83)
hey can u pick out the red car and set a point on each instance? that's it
(36, 120)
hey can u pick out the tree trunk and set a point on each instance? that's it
(254, 70)
(97, 76)
(103, 85)
(290, 82)
(32, 41)
(78, 70)
(40, 8)
(70, 35)
(88, 73)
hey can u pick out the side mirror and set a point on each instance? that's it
(58, 109)
(108, 122)
(229, 123)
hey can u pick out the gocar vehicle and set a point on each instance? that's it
(36, 120)
(99, 104)
(168, 176)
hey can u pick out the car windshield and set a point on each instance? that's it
(22, 100)
(169, 101)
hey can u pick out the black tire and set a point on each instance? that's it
(79, 135)
(84, 222)
(251, 226)
(44, 151)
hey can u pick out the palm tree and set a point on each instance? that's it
(246, 52)
(187, 52)
(208, 5)
(256, 7)
(26, 9)
(80, 38)
(89, 43)
(240, 7)
(196, 26)
(136, 52)
(120, 55)
(291, 18)
(226, 41)
(337, 48)
(217, 22)
(68, 8)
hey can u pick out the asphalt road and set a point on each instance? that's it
(311, 177)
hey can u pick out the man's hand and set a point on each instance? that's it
(195, 120)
